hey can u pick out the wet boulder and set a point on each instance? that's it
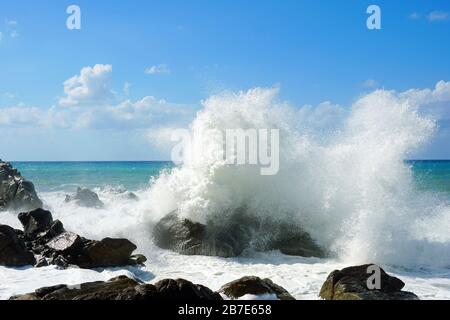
(35, 222)
(229, 234)
(13, 252)
(106, 253)
(183, 290)
(54, 245)
(84, 197)
(352, 283)
(16, 192)
(99, 290)
(124, 288)
(71, 249)
(254, 286)
(189, 238)
(289, 239)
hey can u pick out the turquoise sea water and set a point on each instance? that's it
(53, 176)
(432, 175)
(66, 176)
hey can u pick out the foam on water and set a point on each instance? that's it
(342, 177)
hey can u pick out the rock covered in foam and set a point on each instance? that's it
(351, 284)
(84, 197)
(16, 192)
(229, 235)
(124, 288)
(254, 286)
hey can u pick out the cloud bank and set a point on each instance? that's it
(89, 102)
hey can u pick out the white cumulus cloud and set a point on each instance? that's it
(90, 88)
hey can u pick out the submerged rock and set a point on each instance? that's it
(351, 284)
(254, 286)
(13, 252)
(124, 288)
(85, 198)
(229, 234)
(16, 192)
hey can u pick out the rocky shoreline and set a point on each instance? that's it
(44, 241)
(346, 284)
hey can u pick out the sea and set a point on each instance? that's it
(122, 217)
(429, 175)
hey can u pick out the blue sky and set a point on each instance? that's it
(180, 52)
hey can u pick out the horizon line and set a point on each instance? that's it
(407, 160)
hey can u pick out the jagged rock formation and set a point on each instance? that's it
(16, 192)
(52, 244)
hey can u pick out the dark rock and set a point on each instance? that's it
(124, 288)
(227, 235)
(85, 198)
(35, 222)
(41, 262)
(13, 252)
(70, 249)
(55, 229)
(55, 246)
(138, 259)
(109, 290)
(106, 253)
(189, 238)
(290, 240)
(255, 286)
(351, 284)
(182, 290)
(16, 192)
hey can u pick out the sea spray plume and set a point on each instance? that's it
(348, 187)
(382, 130)
(215, 186)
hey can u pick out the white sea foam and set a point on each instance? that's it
(342, 176)
(349, 187)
